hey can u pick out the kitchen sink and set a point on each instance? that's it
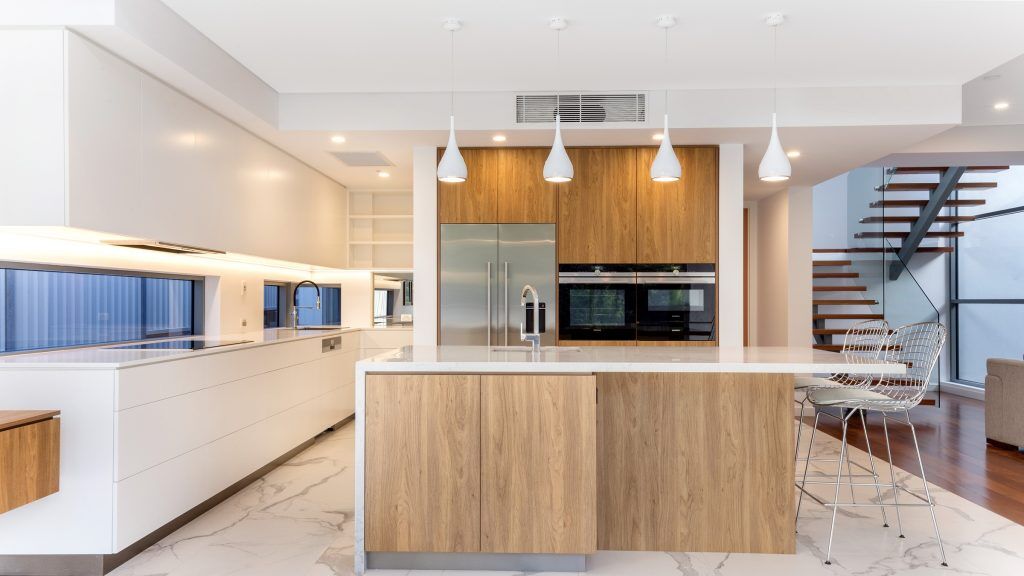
(542, 349)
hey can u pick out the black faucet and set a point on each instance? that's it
(295, 301)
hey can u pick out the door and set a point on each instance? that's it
(526, 255)
(538, 452)
(597, 210)
(467, 310)
(474, 201)
(422, 463)
(523, 194)
(678, 221)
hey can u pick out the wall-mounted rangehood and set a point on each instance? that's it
(158, 246)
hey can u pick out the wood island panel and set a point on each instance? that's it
(422, 463)
(538, 464)
(696, 462)
(29, 456)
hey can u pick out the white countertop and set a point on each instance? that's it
(481, 359)
(105, 357)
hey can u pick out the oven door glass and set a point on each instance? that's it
(681, 311)
(597, 311)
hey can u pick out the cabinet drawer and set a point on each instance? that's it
(387, 338)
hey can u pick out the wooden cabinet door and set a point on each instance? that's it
(678, 221)
(422, 463)
(475, 200)
(597, 210)
(524, 197)
(538, 464)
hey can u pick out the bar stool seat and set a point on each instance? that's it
(847, 397)
(805, 382)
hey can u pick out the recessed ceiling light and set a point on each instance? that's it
(499, 138)
(383, 174)
(659, 136)
(1001, 105)
(338, 139)
(793, 153)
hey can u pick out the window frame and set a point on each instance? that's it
(953, 288)
(198, 299)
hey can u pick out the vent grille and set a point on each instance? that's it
(581, 108)
(363, 158)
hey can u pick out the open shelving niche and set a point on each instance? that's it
(380, 229)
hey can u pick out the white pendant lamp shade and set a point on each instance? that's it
(558, 167)
(775, 164)
(452, 167)
(665, 167)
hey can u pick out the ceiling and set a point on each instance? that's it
(399, 45)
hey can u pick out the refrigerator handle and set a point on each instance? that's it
(488, 304)
(506, 303)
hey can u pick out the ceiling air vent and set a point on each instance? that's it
(162, 246)
(581, 108)
(363, 158)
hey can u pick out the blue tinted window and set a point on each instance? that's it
(271, 306)
(329, 313)
(46, 309)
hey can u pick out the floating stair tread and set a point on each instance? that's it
(836, 275)
(839, 348)
(848, 317)
(832, 331)
(840, 288)
(939, 234)
(924, 186)
(940, 169)
(842, 302)
(832, 262)
(912, 219)
(923, 203)
(878, 249)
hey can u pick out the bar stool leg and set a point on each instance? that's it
(807, 463)
(835, 502)
(892, 474)
(871, 458)
(799, 430)
(927, 492)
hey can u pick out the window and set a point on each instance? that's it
(329, 313)
(383, 304)
(273, 305)
(58, 308)
(987, 284)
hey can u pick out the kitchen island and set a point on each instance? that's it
(508, 459)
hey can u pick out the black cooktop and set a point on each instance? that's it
(180, 345)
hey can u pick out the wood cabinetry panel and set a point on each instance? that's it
(538, 464)
(678, 221)
(524, 197)
(677, 343)
(29, 462)
(422, 463)
(696, 462)
(597, 210)
(475, 200)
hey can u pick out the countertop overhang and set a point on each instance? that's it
(483, 359)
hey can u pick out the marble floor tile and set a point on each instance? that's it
(298, 520)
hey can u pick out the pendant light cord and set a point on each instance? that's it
(775, 69)
(666, 71)
(452, 58)
(558, 73)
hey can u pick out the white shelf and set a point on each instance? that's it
(380, 229)
(380, 216)
(380, 243)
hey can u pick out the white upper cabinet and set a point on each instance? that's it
(144, 160)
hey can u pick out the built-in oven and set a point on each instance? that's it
(675, 302)
(596, 302)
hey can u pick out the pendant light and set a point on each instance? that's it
(558, 167)
(665, 167)
(775, 165)
(452, 168)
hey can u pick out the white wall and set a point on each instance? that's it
(730, 245)
(783, 288)
(830, 214)
(424, 250)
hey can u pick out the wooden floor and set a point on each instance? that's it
(956, 457)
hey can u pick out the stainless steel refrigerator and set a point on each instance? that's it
(483, 268)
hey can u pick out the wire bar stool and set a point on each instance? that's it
(864, 341)
(917, 346)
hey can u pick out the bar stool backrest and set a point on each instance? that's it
(863, 340)
(918, 347)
